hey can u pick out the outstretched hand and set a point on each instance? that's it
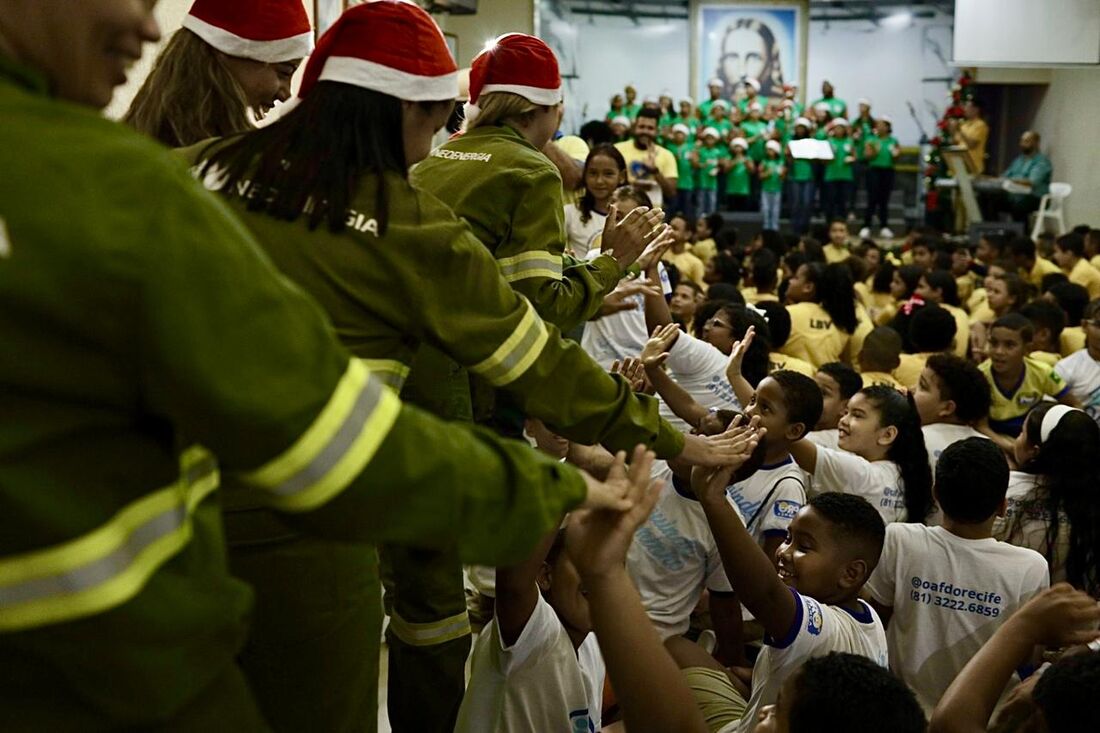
(626, 240)
(621, 298)
(598, 537)
(737, 355)
(655, 351)
(632, 370)
(731, 449)
(710, 481)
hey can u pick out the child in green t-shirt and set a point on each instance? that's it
(719, 120)
(801, 177)
(771, 171)
(708, 162)
(739, 172)
(684, 150)
(755, 130)
(880, 151)
(839, 178)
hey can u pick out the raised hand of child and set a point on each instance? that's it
(737, 354)
(656, 348)
(656, 249)
(597, 538)
(1059, 616)
(621, 298)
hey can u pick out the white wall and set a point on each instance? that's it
(890, 67)
(169, 14)
(1067, 123)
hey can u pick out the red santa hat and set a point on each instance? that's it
(519, 64)
(262, 30)
(388, 46)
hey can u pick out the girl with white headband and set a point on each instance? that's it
(1052, 503)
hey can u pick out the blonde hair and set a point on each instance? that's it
(495, 108)
(189, 96)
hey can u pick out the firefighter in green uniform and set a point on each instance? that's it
(392, 275)
(140, 321)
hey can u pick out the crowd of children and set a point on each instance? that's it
(875, 505)
(737, 154)
(925, 424)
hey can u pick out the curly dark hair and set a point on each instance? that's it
(848, 692)
(963, 383)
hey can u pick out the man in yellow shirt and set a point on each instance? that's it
(1069, 253)
(972, 133)
(1033, 268)
(649, 166)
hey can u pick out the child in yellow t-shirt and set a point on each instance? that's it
(880, 356)
(821, 303)
(779, 330)
(1018, 381)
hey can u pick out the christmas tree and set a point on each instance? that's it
(962, 91)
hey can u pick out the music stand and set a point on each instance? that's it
(962, 168)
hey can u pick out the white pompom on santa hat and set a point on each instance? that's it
(519, 64)
(388, 46)
(269, 31)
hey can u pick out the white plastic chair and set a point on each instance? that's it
(1051, 206)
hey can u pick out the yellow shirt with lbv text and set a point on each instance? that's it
(814, 337)
(782, 362)
(1009, 407)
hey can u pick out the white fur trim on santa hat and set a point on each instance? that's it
(545, 97)
(621, 120)
(268, 52)
(750, 82)
(379, 78)
(774, 145)
(681, 127)
(739, 142)
(864, 100)
(804, 122)
(709, 131)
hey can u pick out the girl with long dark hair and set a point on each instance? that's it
(1051, 500)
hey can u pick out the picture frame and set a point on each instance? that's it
(734, 40)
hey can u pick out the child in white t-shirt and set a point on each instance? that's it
(881, 454)
(604, 171)
(952, 395)
(621, 335)
(1081, 369)
(786, 404)
(838, 382)
(674, 558)
(809, 608)
(695, 383)
(944, 591)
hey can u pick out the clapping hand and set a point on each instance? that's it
(597, 538)
(621, 298)
(737, 355)
(625, 240)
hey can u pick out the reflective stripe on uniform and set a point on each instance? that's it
(335, 448)
(392, 372)
(530, 264)
(111, 564)
(432, 633)
(518, 352)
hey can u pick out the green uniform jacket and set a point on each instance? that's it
(427, 279)
(510, 193)
(838, 169)
(139, 317)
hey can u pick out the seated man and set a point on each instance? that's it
(1030, 169)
